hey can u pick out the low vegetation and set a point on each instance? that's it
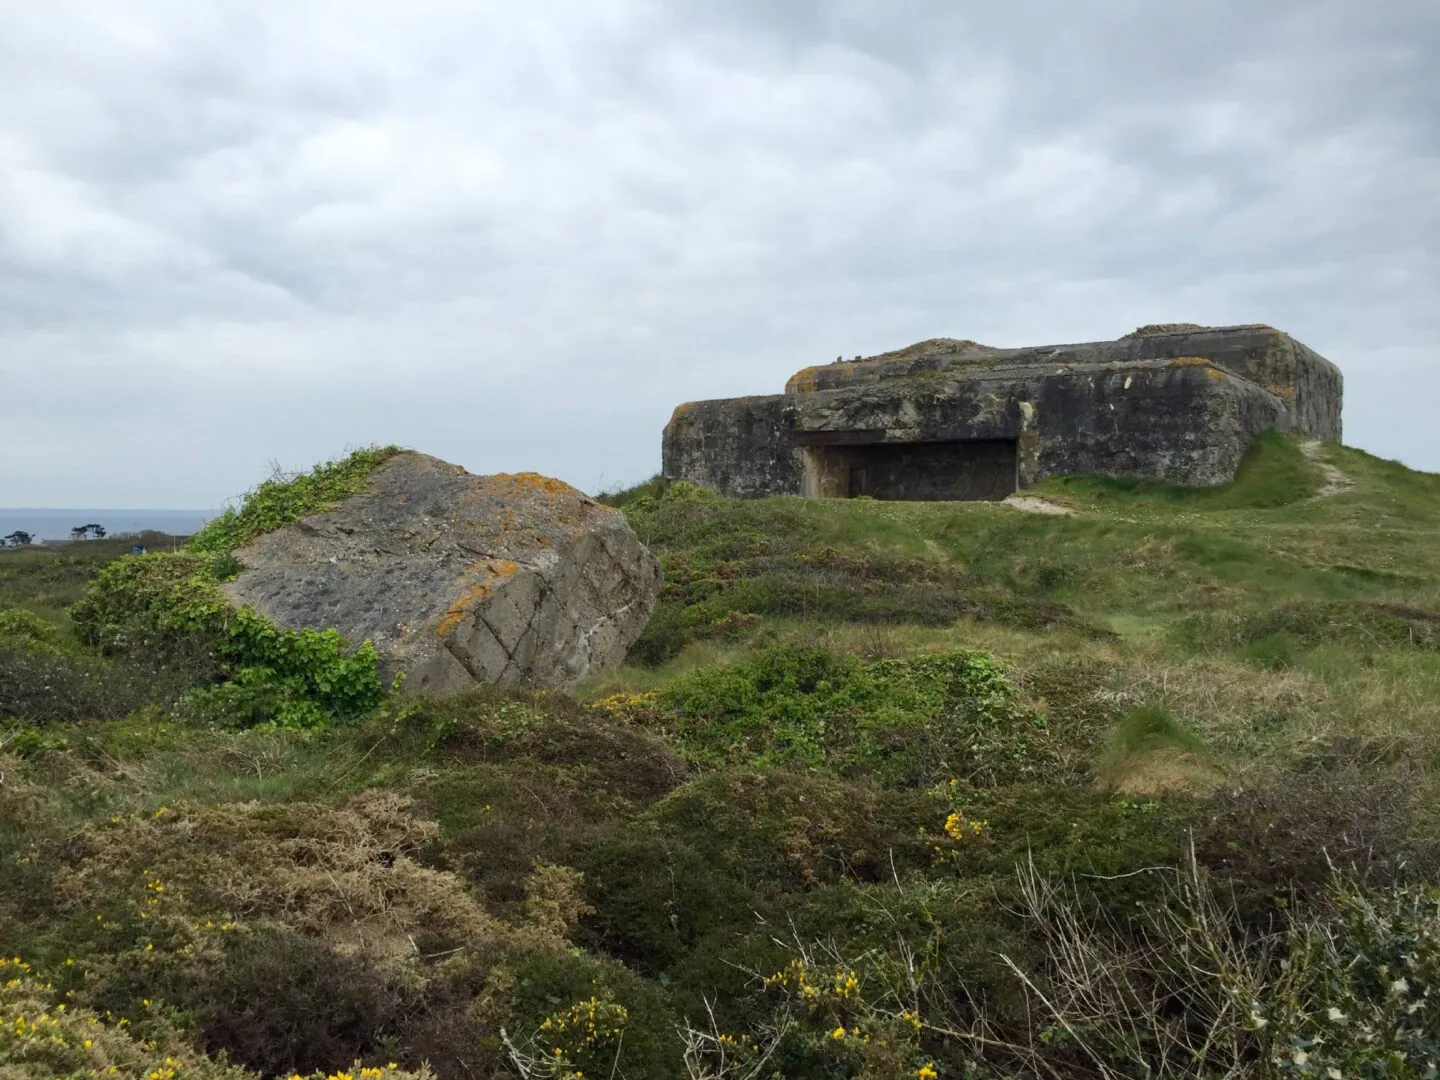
(167, 610)
(886, 791)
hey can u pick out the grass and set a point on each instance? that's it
(847, 725)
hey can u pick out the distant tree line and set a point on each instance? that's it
(21, 538)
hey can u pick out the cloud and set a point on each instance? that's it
(515, 237)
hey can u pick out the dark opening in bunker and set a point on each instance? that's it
(972, 469)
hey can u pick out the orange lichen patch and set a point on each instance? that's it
(1181, 361)
(1215, 373)
(683, 409)
(535, 481)
(493, 570)
(807, 380)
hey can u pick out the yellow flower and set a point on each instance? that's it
(838, 1033)
(926, 1072)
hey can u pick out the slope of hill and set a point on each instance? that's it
(886, 790)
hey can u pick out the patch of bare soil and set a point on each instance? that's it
(1335, 480)
(1033, 504)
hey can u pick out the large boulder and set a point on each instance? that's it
(515, 579)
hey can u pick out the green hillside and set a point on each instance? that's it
(1140, 781)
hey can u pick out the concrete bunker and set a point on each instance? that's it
(950, 419)
(931, 471)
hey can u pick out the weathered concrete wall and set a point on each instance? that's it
(1178, 402)
(1184, 419)
(741, 447)
(1310, 386)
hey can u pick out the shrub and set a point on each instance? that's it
(20, 626)
(56, 686)
(649, 489)
(282, 1002)
(903, 721)
(42, 1037)
(1277, 839)
(286, 498)
(1345, 989)
(45, 680)
(168, 608)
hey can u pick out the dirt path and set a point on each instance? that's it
(1033, 504)
(1335, 480)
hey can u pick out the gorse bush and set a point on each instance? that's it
(45, 1037)
(42, 1036)
(169, 609)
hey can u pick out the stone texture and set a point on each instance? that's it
(741, 446)
(1174, 401)
(515, 579)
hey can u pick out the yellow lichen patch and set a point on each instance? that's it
(1215, 373)
(493, 570)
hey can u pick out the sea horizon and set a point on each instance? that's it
(53, 523)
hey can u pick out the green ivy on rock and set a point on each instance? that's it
(245, 671)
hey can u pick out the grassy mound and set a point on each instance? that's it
(890, 790)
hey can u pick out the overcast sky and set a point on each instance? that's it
(516, 235)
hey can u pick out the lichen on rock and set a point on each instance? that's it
(514, 578)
